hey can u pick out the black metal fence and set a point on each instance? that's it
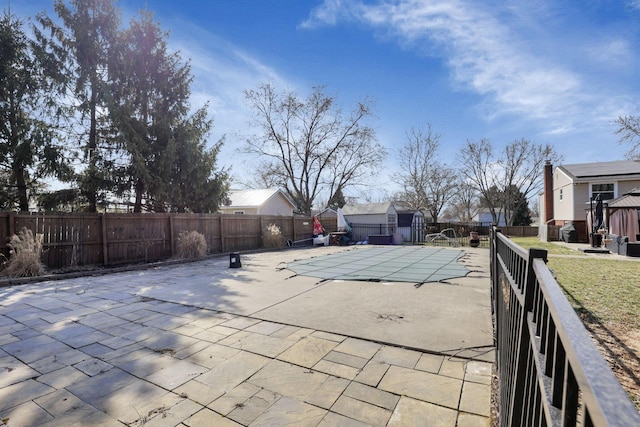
(551, 373)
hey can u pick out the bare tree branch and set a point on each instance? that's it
(308, 146)
(629, 131)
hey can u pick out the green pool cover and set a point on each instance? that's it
(385, 264)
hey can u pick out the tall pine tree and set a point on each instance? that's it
(28, 149)
(83, 43)
(169, 166)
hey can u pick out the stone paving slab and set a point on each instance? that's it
(122, 350)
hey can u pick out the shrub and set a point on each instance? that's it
(272, 237)
(191, 244)
(25, 251)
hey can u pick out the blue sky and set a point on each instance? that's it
(555, 71)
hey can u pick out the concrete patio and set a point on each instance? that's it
(201, 344)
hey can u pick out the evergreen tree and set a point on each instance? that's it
(150, 97)
(520, 208)
(195, 185)
(83, 43)
(337, 200)
(169, 165)
(28, 149)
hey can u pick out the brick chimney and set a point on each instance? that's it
(548, 192)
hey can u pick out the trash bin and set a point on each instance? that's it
(234, 260)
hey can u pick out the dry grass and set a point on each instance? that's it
(25, 252)
(191, 245)
(272, 237)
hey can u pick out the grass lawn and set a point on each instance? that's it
(607, 290)
(551, 248)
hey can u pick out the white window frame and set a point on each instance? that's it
(238, 212)
(615, 188)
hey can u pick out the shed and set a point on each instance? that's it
(410, 222)
(327, 213)
(268, 201)
(371, 219)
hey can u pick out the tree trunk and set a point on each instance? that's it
(21, 186)
(137, 207)
(92, 148)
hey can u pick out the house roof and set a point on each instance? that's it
(367, 209)
(254, 198)
(586, 171)
(629, 200)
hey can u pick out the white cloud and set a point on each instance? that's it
(222, 72)
(613, 52)
(514, 74)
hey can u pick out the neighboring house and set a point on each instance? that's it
(569, 189)
(371, 218)
(269, 201)
(484, 216)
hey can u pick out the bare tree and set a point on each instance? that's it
(629, 131)
(308, 146)
(519, 167)
(416, 157)
(427, 183)
(465, 202)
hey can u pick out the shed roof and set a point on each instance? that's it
(367, 209)
(254, 198)
(585, 171)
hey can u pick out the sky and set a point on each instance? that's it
(556, 71)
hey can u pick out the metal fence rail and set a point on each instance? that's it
(551, 373)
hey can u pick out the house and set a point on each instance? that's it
(268, 201)
(569, 190)
(371, 219)
(484, 217)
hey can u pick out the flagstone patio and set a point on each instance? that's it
(202, 344)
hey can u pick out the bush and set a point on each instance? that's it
(191, 245)
(25, 251)
(272, 237)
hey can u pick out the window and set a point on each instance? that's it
(561, 194)
(391, 219)
(238, 213)
(606, 191)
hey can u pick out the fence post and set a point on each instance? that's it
(293, 228)
(221, 234)
(105, 246)
(171, 235)
(12, 224)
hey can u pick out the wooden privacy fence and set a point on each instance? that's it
(551, 373)
(71, 240)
